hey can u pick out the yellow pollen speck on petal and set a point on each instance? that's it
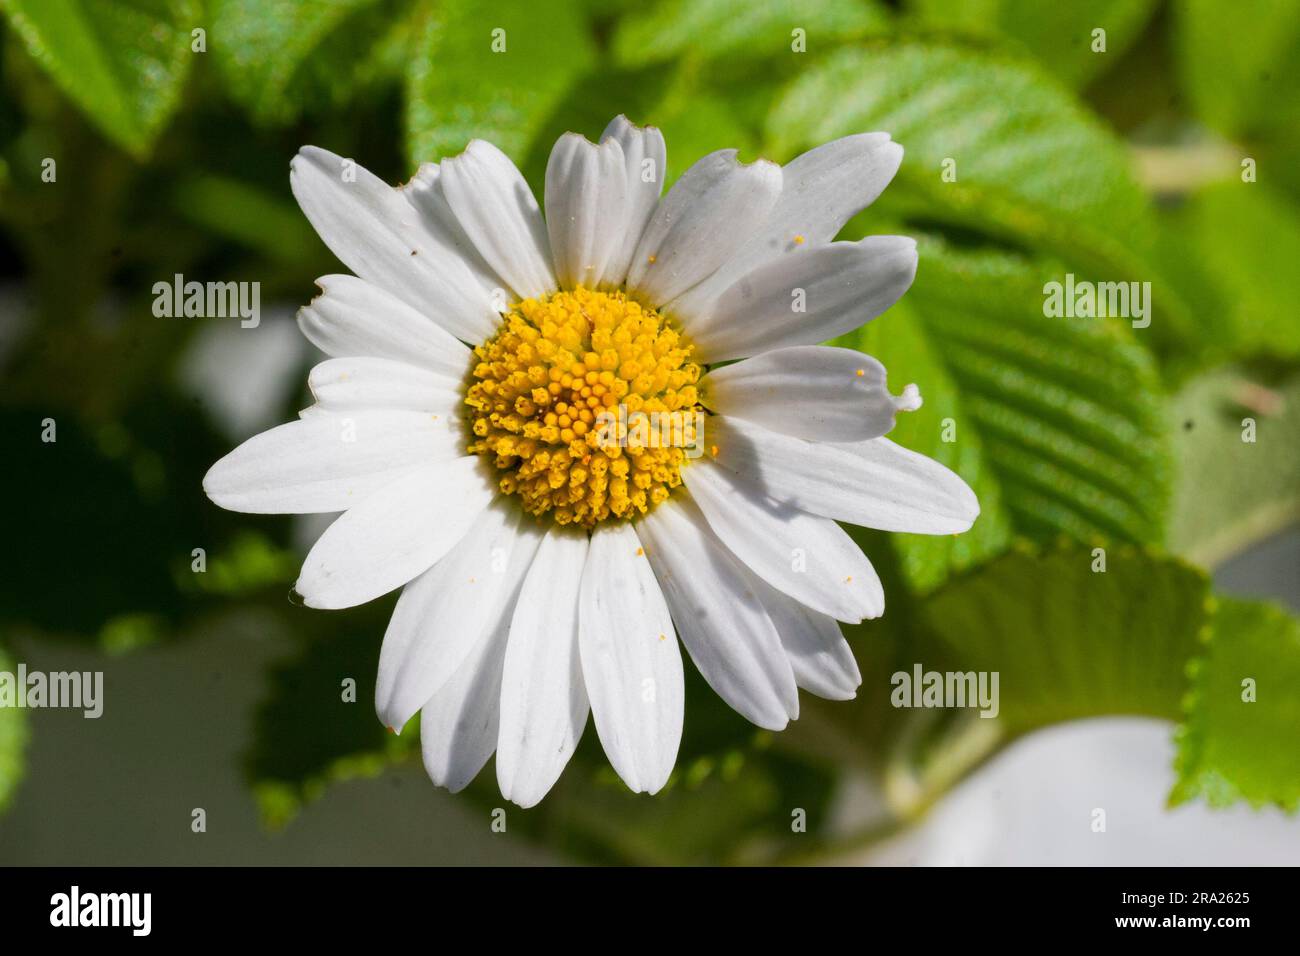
(798, 240)
(640, 552)
(555, 401)
(861, 372)
(651, 260)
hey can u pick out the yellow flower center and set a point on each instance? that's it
(586, 404)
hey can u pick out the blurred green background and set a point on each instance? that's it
(1124, 140)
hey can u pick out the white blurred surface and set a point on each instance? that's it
(1033, 806)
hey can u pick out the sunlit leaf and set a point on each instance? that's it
(1070, 632)
(123, 62)
(712, 28)
(491, 72)
(1240, 64)
(1057, 424)
(992, 144)
(1235, 246)
(1069, 641)
(1243, 711)
(280, 58)
(1030, 162)
(1060, 36)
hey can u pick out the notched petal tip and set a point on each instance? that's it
(314, 601)
(758, 164)
(424, 176)
(572, 136)
(448, 783)
(654, 787)
(473, 148)
(325, 282)
(622, 121)
(311, 154)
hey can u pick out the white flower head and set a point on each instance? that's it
(535, 428)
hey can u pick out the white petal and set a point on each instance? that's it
(723, 625)
(329, 462)
(810, 391)
(424, 192)
(805, 298)
(543, 699)
(823, 189)
(395, 535)
(381, 237)
(497, 210)
(586, 209)
(876, 483)
(822, 660)
(451, 608)
(356, 383)
(705, 217)
(810, 558)
(630, 661)
(351, 317)
(458, 726)
(645, 159)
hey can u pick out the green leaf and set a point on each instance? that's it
(719, 28)
(1240, 64)
(123, 62)
(1059, 425)
(1243, 711)
(1031, 164)
(1070, 642)
(1229, 491)
(459, 88)
(248, 563)
(281, 57)
(1059, 36)
(1235, 245)
(13, 741)
(1067, 640)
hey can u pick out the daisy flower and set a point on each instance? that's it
(577, 440)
